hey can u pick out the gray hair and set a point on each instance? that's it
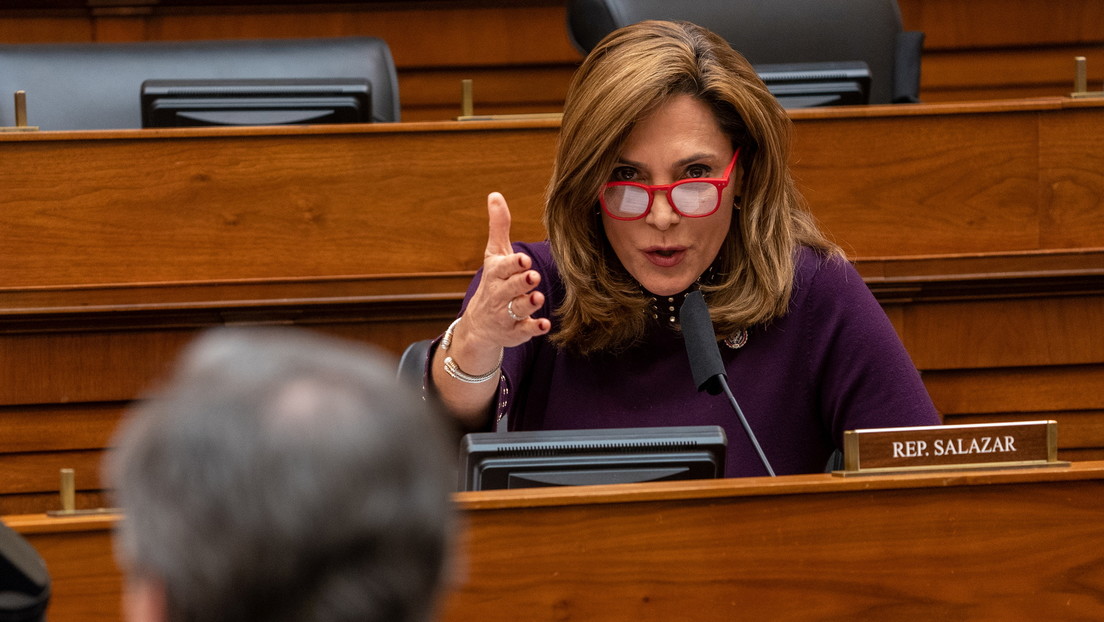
(281, 475)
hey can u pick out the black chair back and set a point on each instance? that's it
(24, 581)
(781, 31)
(413, 362)
(85, 86)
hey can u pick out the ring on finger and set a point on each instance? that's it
(510, 311)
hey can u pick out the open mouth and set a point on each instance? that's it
(665, 257)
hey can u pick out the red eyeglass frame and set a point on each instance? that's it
(719, 183)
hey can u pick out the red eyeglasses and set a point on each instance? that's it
(693, 197)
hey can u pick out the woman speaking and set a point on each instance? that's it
(671, 176)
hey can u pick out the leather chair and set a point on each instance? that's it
(412, 363)
(24, 579)
(781, 31)
(83, 86)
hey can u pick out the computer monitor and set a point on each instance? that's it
(228, 102)
(808, 85)
(491, 461)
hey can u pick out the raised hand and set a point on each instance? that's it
(497, 317)
(499, 311)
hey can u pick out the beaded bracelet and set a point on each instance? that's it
(452, 369)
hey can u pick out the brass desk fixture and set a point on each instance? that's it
(467, 109)
(20, 115)
(69, 498)
(1081, 80)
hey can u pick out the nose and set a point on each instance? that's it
(662, 215)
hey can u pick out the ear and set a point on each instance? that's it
(145, 600)
(736, 183)
(738, 178)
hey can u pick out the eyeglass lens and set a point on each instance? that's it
(689, 198)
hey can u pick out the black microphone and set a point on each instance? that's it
(705, 360)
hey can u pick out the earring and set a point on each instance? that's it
(737, 201)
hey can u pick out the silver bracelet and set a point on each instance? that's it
(452, 369)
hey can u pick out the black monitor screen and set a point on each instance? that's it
(490, 461)
(808, 85)
(190, 103)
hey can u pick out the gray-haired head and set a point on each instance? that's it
(280, 475)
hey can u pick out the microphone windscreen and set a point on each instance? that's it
(701, 343)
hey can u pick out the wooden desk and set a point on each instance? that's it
(980, 227)
(989, 545)
(191, 206)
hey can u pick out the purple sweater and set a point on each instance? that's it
(832, 363)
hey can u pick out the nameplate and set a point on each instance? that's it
(983, 445)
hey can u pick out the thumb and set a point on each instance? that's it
(498, 217)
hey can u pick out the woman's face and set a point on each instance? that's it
(665, 251)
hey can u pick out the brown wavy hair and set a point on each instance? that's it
(629, 74)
